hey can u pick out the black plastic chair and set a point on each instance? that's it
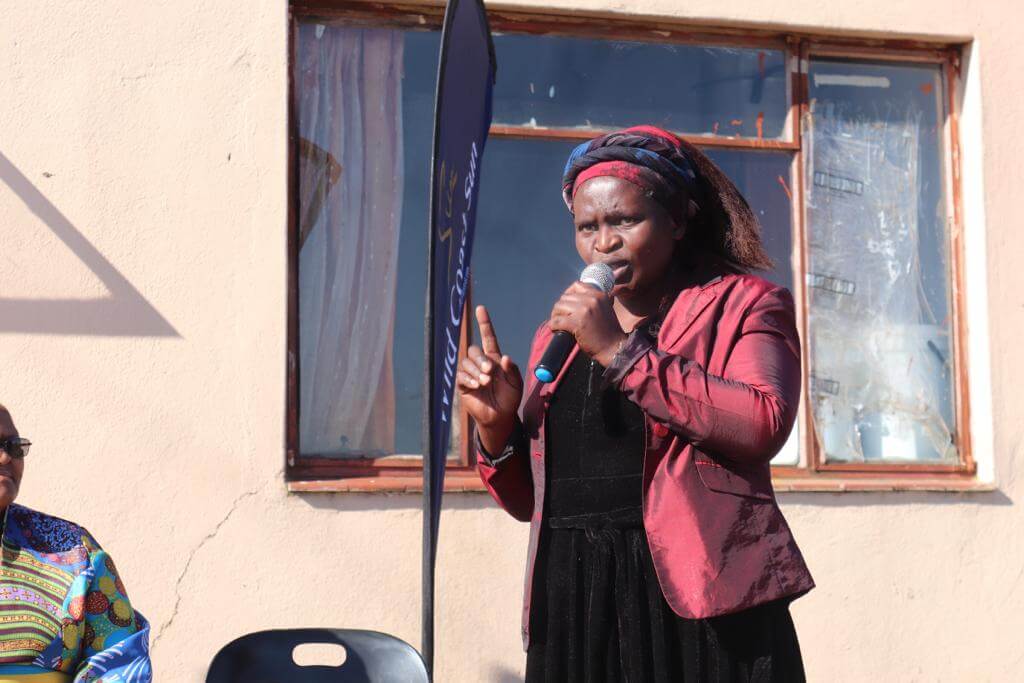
(266, 657)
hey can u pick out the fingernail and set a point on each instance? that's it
(486, 366)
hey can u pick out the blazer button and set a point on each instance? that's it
(660, 430)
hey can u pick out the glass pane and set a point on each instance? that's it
(420, 75)
(560, 81)
(524, 254)
(878, 260)
(764, 178)
(349, 158)
(365, 108)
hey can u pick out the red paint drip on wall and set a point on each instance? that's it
(760, 125)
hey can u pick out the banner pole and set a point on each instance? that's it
(429, 473)
(465, 122)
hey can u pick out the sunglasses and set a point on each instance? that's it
(15, 446)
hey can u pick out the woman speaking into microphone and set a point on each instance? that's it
(657, 550)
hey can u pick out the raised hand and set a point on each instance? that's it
(490, 386)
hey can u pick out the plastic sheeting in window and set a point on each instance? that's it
(878, 286)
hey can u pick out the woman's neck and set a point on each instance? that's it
(633, 310)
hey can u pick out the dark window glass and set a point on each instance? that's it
(880, 319)
(764, 178)
(557, 81)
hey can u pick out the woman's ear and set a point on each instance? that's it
(680, 224)
(679, 228)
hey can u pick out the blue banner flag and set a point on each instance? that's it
(462, 117)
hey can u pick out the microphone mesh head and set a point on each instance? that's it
(599, 275)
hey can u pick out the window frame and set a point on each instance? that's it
(400, 473)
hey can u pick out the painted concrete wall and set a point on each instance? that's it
(142, 336)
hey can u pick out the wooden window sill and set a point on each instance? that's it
(384, 484)
(841, 484)
(463, 483)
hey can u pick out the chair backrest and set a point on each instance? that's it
(266, 657)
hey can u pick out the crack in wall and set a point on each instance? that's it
(163, 628)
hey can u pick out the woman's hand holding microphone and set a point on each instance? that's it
(490, 387)
(587, 314)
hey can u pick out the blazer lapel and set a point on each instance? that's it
(688, 305)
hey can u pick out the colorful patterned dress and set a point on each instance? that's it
(64, 613)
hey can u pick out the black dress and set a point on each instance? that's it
(598, 613)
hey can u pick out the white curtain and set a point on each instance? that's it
(350, 202)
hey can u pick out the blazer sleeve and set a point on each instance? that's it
(508, 475)
(745, 415)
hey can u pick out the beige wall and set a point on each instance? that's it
(142, 336)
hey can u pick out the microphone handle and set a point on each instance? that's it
(554, 356)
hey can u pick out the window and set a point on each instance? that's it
(843, 151)
(878, 263)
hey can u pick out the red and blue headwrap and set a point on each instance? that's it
(649, 157)
(681, 178)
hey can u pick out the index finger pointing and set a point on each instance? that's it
(488, 340)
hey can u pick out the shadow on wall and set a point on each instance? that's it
(501, 674)
(125, 313)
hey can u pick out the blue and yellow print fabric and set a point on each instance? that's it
(64, 612)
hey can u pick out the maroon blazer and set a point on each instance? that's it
(719, 389)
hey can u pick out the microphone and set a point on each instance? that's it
(598, 275)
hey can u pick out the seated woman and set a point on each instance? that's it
(65, 613)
